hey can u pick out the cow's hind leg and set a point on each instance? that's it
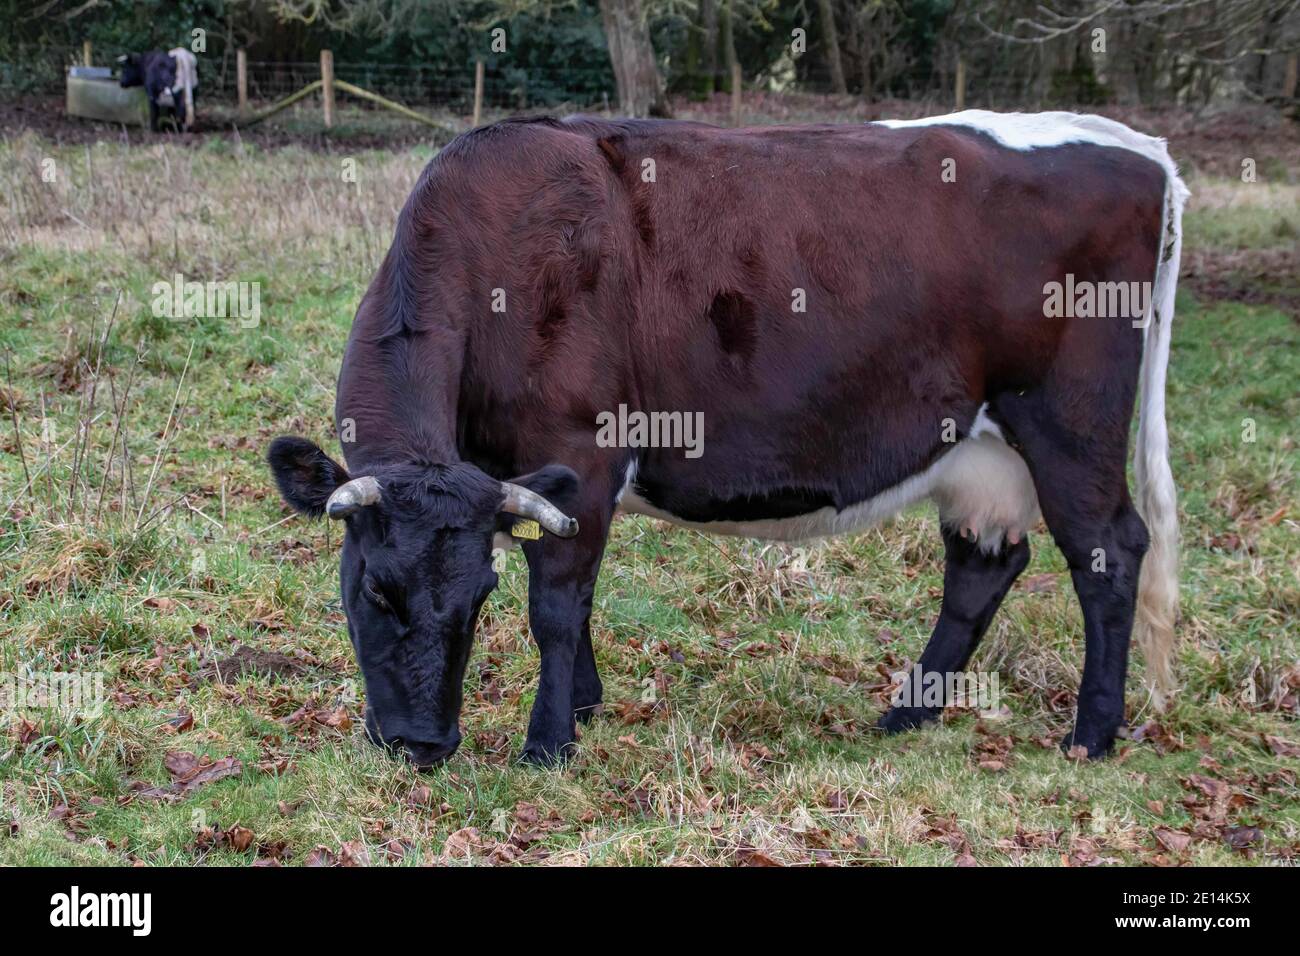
(974, 584)
(1074, 438)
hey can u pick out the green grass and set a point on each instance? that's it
(740, 689)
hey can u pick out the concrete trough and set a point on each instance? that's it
(93, 94)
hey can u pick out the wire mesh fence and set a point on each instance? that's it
(448, 86)
(512, 87)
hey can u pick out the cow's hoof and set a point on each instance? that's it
(584, 714)
(898, 719)
(547, 755)
(1094, 745)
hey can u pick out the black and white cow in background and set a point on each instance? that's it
(169, 79)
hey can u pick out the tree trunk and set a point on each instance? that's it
(640, 87)
(728, 43)
(709, 24)
(831, 37)
(1122, 64)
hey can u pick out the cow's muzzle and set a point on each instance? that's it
(425, 755)
(421, 753)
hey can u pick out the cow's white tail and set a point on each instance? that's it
(1157, 600)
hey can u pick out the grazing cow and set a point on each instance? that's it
(860, 317)
(169, 79)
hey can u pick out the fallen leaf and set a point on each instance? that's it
(1241, 838)
(1173, 840)
(189, 771)
(747, 856)
(464, 842)
(354, 853)
(1281, 747)
(239, 838)
(321, 856)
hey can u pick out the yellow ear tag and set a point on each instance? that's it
(527, 528)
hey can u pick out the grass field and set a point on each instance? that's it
(741, 679)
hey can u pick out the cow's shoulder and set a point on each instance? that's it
(580, 141)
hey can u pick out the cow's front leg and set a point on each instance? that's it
(588, 692)
(561, 580)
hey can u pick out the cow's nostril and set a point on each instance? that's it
(426, 755)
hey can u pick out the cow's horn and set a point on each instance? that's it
(352, 495)
(529, 504)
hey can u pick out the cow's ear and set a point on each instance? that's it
(305, 475)
(556, 483)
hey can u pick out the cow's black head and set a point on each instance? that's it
(155, 71)
(416, 568)
(130, 72)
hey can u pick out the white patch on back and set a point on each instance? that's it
(982, 485)
(1024, 131)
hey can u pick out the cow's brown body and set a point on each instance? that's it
(545, 272)
(924, 298)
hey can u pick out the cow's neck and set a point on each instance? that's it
(397, 397)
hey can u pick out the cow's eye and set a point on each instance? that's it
(375, 596)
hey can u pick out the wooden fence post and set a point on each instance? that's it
(241, 79)
(85, 53)
(959, 87)
(327, 85)
(735, 94)
(478, 92)
(1289, 79)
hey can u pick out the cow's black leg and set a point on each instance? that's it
(974, 584)
(153, 114)
(1075, 443)
(587, 689)
(561, 580)
(1109, 599)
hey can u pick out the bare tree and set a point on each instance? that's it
(831, 37)
(636, 72)
(709, 27)
(874, 29)
(1185, 47)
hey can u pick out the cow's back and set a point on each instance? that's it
(824, 295)
(829, 295)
